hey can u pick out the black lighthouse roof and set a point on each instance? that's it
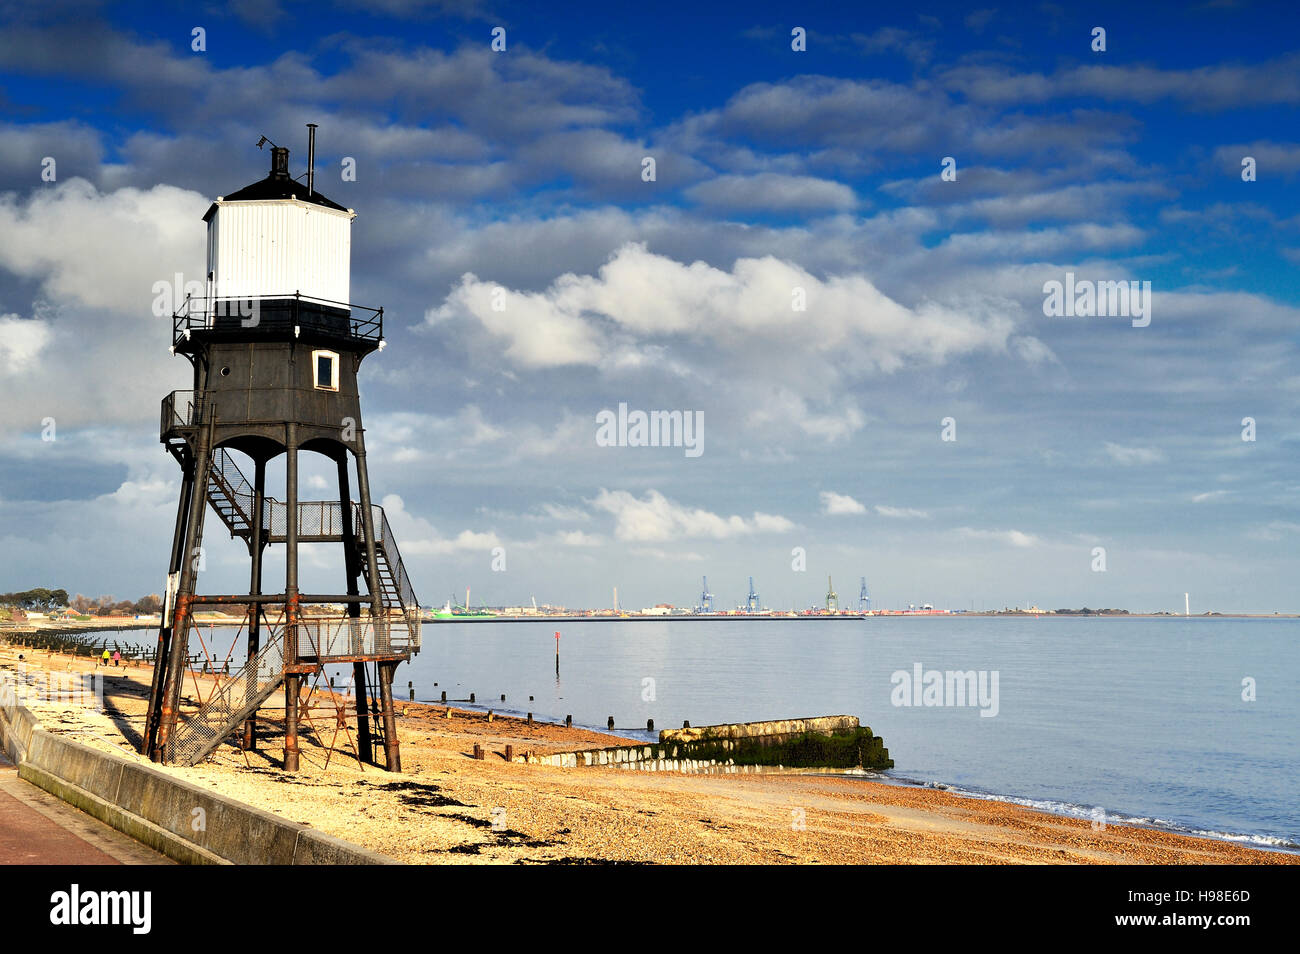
(277, 185)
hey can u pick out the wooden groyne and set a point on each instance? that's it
(817, 742)
(72, 641)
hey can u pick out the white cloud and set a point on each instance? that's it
(788, 372)
(414, 437)
(21, 342)
(833, 503)
(571, 433)
(656, 519)
(905, 513)
(577, 538)
(771, 190)
(417, 537)
(559, 512)
(1277, 157)
(1212, 87)
(59, 237)
(665, 556)
(1275, 530)
(781, 406)
(1015, 538)
(770, 523)
(1032, 351)
(539, 334)
(639, 296)
(1134, 455)
(94, 258)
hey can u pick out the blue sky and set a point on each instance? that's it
(776, 169)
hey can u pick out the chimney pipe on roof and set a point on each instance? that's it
(311, 159)
(279, 162)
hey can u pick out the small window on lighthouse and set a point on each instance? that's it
(325, 366)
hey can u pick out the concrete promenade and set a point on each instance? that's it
(37, 828)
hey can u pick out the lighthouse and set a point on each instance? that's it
(276, 348)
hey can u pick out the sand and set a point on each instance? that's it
(448, 808)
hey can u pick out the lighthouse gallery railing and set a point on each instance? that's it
(287, 314)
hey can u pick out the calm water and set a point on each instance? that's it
(1142, 718)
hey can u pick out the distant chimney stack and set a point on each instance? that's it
(279, 162)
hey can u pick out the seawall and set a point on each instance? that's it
(171, 816)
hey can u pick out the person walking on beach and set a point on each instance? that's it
(117, 658)
(105, 658)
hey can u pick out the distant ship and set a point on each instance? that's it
(459, 612)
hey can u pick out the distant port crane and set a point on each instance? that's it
(751, 602)
(864, 599)
(832, 600)
(706, 599)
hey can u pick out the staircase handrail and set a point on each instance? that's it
(189, 743)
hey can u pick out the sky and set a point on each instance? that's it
(840, 265)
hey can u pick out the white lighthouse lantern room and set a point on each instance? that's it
(279, 242)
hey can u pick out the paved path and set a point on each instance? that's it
(38, 829)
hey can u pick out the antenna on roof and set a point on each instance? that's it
(279, 159)
(311, 158)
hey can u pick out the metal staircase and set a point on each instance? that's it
(319, 521)
(230, 494)
(229, 705)
(232, 497)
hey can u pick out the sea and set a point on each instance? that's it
(1190, 724)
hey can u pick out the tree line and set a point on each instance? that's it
(44, 600)
(40, 598)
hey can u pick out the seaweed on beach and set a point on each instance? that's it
(469, 848)
(278, 776)
(507, 836)
(576, 860)
(471, 820)
(421, 795)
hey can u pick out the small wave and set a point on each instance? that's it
(1263, 841)
(858, 772)
(1076, 810)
